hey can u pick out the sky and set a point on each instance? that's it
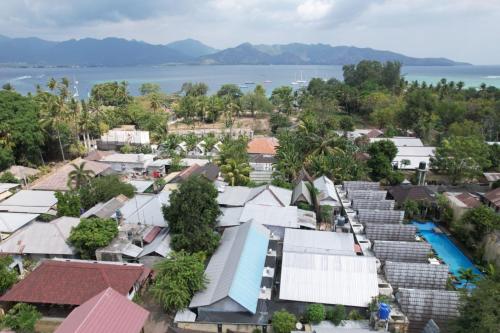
(462, 30)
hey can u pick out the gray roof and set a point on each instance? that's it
(42, 238)
(145, 209)
(160, 245)
(416, 275)
(367, 194)
(141, 185)
(266, 195)
(327, 193)
(361, 185)
(422, 305)
(320, 242)
(301, 193)
(10, 222)
(4, 187)
(106, 209)
(286, 217)
(229, 217)
(380, 216)
(373, 204)
(29, 201)
(402, 251)
(390, 232)
(431, 327)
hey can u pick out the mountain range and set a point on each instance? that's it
(122, 52)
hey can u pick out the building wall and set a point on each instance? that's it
(226, 304)
(226, 328)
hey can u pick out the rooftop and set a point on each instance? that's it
(268, 195)
(29, 201)
(263, 145)
(128, 158)
(286, 217)
(109, 312)
(416, 275)
(319, 242)
(401, 193)
(390, 232)
(492, 176)
(10, 222)
(493, 196)
(73, 282)
(402, 251)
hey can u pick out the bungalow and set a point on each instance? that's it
(461, 202)
(419, 193)
(125, 135)
(143, 209)
(266, 195)
(70, 283)
(41, 240)
(29, 201)
(109, 311)
(491, 178)
(327, 195)
(416, 275)
(58, 179)
(411, 152)
(237, 274)
(129, 163)
(492, 199)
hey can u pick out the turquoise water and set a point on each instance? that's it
(171, 78)
(446, 250)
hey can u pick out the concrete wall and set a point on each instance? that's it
(209, 327)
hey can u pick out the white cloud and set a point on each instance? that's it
(314, 9)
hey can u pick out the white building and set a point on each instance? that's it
(126, 163)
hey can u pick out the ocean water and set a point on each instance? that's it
(171, 78)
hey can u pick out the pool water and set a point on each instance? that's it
(446, 250)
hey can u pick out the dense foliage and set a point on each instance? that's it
(192, 216)
(68, 204)
(8, 276)
(336, 314)
(283, 321)
(21, 318)
(315, 313)
(178, 278)
(91, 234)
(102, 189)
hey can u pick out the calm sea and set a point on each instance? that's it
(170, 78)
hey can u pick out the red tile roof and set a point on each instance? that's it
(266, 145)
(74, 282)
(151, 235)
(469, 200)
(109, 312)
(493, 197)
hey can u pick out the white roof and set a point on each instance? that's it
(4, 187)
(319, 242)
(126, 136)
(128, 158)
(42, 238)
(286, 217)
(10, 222)
(266, 195)
(145, 209)
(492, 176)
(401, 141)
(141, 185)
(229, 217)
(29, 201)
(328, 279)
(327, 193)
(416, 151)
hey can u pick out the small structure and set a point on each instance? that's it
(423, 305)
(106, 209)
(416, 275)
(327, 195)
(97, 155)
(210, 171)
(301, 193)
(129, 163)
(402, 251)
(381, 216)
(492, 199)
(141, 186)
(366, 195)
(144, 209)
(373, 204)
(419, 193)
(29, 201)
(461, 202)
(70, 283)
(361, 185)
(124, 135)
(263, 145)
(11, 222)
(410, 149)
(390, 232)
(58, 179)
(320, 242)
(235, 274)
(492, 177)
(109, 311)
(266, 195)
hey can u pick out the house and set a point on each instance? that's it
(266, 195)
(109, 311)
(7, 189)
(262, 151)
(364, 132)
(199, 149)
(492, 199)
(301, 194)
(69, 283)
(411, 152)
(402, 251)
(421, 305)
(236, 273)
(181, 148)
(354, 185)
(129, 163)
(106, 209)
(97, 155)
(419, 193)
(58, 179)
(125, 135)
(29, 201)
(390, 232)
(416, 275)
(492, 177)
(40, 240)
(327, 195)
(143, 209)
(373, 204)
(322, 267)
(11, 222)
(210, 171)
(366, 195)
(380, 216)
(262, 146)
(141, 186)
(461, 202)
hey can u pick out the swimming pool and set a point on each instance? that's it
(445, 249)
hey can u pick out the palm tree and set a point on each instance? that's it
(51, 117)
(468, 275)
(236, 173)
(155, 102)
(79, 176)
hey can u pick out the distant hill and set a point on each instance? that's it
(191, 48)
(122, 52)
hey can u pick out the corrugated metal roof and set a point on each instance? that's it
(141, 185)
(416, 275)
(301, 193)
(160, 245)
(390, 232)
(402, 141)
(4, 187)
(328, 279)
(42, 238)
(402, 251)
(319, 242)
(422, 305)
(30, 198)
(492, 176)
(235, 269)
(286, 217)
(128, 158)
(229, 217)
(10, 222)
(431, 327)
(361, 185)
(145, 209)
(380, 216)
(367, 195)
(373, 204)
(327, 193)
(106, 209)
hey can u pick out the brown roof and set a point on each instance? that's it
(58, 179)
(210, 171)
(109, 312)
(74, 282)
(469, 200)
(401, 193)
(263, 145)
(20, 171)
(97, 155)
(374, 133)
(493, 196)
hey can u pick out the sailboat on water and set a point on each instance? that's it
(301, 81)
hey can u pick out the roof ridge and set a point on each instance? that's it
(100, 300)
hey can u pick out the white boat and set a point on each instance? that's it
(301, 81)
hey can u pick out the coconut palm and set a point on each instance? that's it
(468, 275)
(79, 176)
(156, 102)
(51, 117)
(236, 173)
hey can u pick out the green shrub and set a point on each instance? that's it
(283, 321)
(354, 315)
(315, 313)
(336, 314)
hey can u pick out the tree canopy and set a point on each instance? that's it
(283, 321)
(91, 234)
(21, 318)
